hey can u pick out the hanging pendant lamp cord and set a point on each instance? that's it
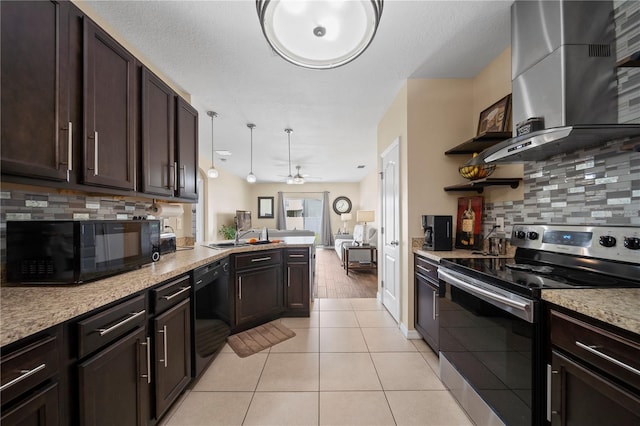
(251, 150)
(213, 163)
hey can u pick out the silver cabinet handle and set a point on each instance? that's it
(434, 304)
(296, 255)
(261, 259)
(95, 153)
(288, 276)
(239, 288)
(182, 183)
(131, 317)
(422, 276)
(147, 345)
(175, 175)
(164, 345)
(593, 350)
(24, 374)
(70, 147)
(422, 268)
(182, 290)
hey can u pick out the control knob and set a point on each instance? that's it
(520, 235)
(532, 235)
(632, 243)
(607, 241)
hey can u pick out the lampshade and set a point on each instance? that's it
(212, 172)
(319, 34)
(365, 216)
(346, 217)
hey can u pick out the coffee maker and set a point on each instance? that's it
(438, 232)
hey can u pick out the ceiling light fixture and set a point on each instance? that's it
(212, 172)
(298, 179)
(289, 178)
(319, 34)
(251, 178)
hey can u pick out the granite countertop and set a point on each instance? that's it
(616, 306)
(458, 254)
(29, 309)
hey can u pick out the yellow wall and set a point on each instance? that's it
(223, 196)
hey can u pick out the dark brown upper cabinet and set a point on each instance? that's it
(187, 149)
(159, 165)
(109, 111)
(169, 141)
(36, 128)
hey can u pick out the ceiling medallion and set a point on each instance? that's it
(319, 34)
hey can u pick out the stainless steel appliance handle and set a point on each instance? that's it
(164, 345)
(95, 153)
(478, 291)
(182, 290)
(131, 317)
(435, 294)
(261, 259)
(422, 268)
(593, 349)
(424, 277)
(147, 345)
(24, 374)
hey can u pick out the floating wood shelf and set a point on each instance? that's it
(479, 143)
(479, 184)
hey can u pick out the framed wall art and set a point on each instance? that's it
(469, 223)
(265, 208)
(496, 118)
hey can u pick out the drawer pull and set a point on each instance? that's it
(24, 374)
(261, 259)
(422, 276)
(132, 316)
(147, 346)
(182, 290)
(594, 351)
(427, 270)
(296, 255)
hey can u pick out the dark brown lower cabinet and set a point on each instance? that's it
(113, 384)
(297, 282)
(172, 354)
(38, 409)
(427, 289)
(258, 294)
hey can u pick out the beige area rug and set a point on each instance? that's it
(259, 338)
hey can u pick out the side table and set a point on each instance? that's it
(359, 265)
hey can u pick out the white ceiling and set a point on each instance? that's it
(215, 50)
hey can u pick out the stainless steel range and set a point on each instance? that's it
(491, 323)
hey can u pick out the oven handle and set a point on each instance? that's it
(521, 306)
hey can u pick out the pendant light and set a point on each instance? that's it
(319, 34)
(251, 178)
(289, 178)
(212, 172)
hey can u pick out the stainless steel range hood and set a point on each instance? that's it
(563, 73)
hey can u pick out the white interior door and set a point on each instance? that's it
(390, 193)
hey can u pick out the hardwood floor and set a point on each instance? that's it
(332, 282)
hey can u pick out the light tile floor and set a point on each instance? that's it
(348, 364)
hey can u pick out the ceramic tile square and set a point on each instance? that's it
(335, 305)
(426, 408)
(290, 372)
(405, 371)
(366, 304)
(338, 319)
(305, 340)
(275, 408)
(229, 372)
(313, 321)
(375, 319)
(211, 408)
(342, 340)
(387, 340)
(348, 371)
(354, 408)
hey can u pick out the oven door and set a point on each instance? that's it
(490, 351)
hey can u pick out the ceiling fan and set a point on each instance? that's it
(300, 178)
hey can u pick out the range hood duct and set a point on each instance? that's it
(563, 75)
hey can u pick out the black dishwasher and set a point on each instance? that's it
(210, 312)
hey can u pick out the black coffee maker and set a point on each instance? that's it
(438, 232)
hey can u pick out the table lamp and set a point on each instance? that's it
(365, 216)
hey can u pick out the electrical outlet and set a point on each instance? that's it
(178, 223)
(500, 223)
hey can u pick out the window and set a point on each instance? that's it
(303, 213)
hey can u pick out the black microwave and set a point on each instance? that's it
(72, 252)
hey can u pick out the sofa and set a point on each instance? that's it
(358, 233)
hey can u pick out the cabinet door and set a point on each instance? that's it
(158, 136)
(172, 354)
(113, 384)
(582, 397)
(109, 111)
(187, 149)
(36, 137)
(427, 311)
(39, 409)
(297, 286)
(258, 294)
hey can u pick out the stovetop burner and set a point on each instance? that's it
(532, 268)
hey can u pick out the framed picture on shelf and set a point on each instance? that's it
(496, 118)
(469, 223)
